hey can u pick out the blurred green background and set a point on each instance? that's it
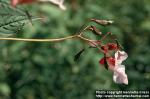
(48, 71)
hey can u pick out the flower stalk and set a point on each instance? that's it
(49, 40)
(39, 40)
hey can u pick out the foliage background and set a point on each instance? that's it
(48, 71)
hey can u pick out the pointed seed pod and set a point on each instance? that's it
(94, 30)
(102, 22)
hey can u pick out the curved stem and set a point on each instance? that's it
(48, 40)
(39, 40)
(91, 41)
(108, 33)
(84, 39)
(53, 40)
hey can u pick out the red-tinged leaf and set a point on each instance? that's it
(104, 48)
(101, 61)
(111, 61)
(108, 62)
(112, 46)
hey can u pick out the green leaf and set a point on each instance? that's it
(12, 20)
(105, 62)
(77, 56)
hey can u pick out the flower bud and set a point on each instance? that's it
(103, 22)
(94, 30)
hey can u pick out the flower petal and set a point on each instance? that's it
(57, 2)
(101, 61)
(120, 75)
(16, 2)
(120, 56)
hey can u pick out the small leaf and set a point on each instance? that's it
(29, 17)
(12, 19)
(105, 62)
(77, 56)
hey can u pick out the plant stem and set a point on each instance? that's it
(108, 33)
(84, 39)
(53, 40)
(47, 40)
(39, 40)
(91, 41)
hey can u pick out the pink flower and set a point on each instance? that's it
(16, 2)
(119, 70)
(56, 2)
(115, 65)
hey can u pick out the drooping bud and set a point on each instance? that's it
(94, 30)
(102, 22)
